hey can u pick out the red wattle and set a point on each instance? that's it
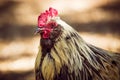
(46, 33)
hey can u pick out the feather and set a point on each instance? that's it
(66, 56)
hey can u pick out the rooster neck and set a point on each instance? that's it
(71, 58)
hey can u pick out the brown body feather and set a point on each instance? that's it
(69, 57)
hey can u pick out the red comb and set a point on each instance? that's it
(43, 18)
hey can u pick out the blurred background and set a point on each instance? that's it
(98, 22)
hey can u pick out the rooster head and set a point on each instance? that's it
(47, 25)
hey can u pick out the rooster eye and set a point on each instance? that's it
(53, 24)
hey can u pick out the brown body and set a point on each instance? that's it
(66, 56)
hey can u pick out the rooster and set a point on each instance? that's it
(64, 55)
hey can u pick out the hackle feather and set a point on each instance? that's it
(71, 58)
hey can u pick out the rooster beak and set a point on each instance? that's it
(38, 30)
